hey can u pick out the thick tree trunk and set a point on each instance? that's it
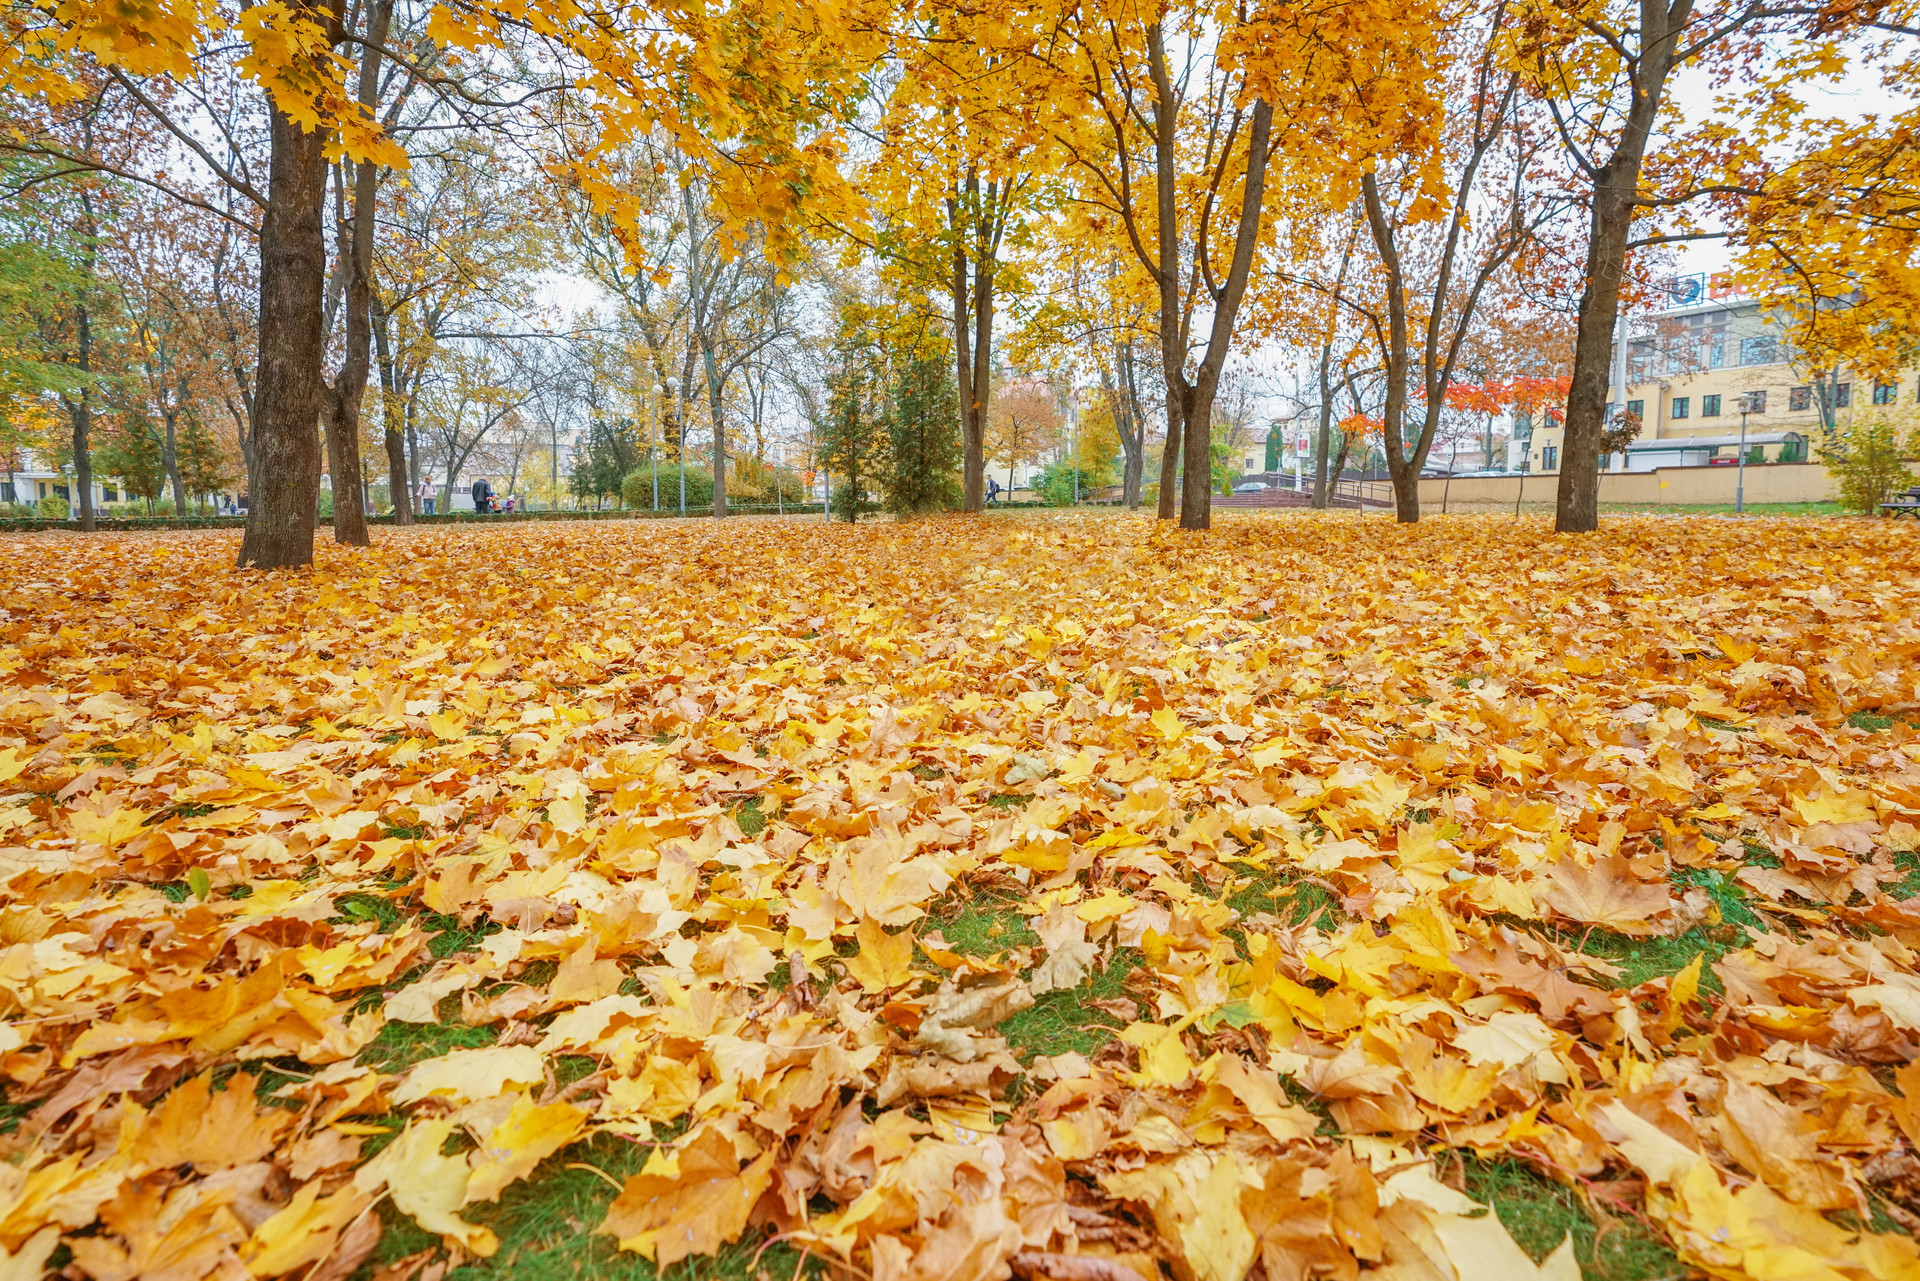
(1196, 475)
(1323, 441)
(170, 451)
(1577, 509)
(81, 503)
(1170, 454)
(293, 278)
(1403, 467)
(1616, 185)
(973, 307)
(400, 480)
(349, 391)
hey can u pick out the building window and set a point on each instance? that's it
(1884, 393)
(1843, 396)
(1680, 406)
(1638, 408)
(1799, 399)
(1549, 458)
(1758, 351)
(1710, 406)
(1756, 402)
(108, 494)
(1793, 451)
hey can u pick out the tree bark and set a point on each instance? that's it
(1577, 505)
(80, 411)
(973, 355)
(1616, 184)
(1403, 467)
(1324, 439)
(400, 482)
(349, 389)
(291, 387)
(1190, 402)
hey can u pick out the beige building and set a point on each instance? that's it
(1687, 375)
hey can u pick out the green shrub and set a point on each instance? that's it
(636, 491)
(1866, 456)
(54, 507)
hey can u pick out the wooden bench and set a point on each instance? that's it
(1904, 504)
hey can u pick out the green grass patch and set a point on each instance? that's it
(546, 1224)
(453, 937)
(1007, 800)
(747, 814)
(368, 907)
(11, 1112)
(984, 926)
(191, 809)
(1710, 722)
(1872, 722)
(401, 1045)
(1909, 862)
(1283, 893)
(1725, 893)
(1642, 960)
(1061, 1021)
(1539, 1214)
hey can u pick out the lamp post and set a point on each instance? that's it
(679, 441)
(1740, 481)
(653, 450)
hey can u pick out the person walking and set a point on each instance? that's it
(428, 491)
(993, 489)
(482, 495)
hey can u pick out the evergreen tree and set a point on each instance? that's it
(854, 440)
(923, 437)
(601, 461)
(205, 466)
(130, 449)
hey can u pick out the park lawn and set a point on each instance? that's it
(1544, 506)
(775, 897)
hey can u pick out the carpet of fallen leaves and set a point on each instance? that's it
(1331, 852)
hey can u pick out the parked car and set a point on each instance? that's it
(1250, 487)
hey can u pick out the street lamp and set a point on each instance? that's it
(653, 452)
(679, 442)
(1740, 483)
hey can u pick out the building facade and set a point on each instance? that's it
(1692, 371)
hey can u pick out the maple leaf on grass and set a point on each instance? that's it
(1606, 893)
(689, 1200)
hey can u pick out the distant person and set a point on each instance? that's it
(993, 490)
(428, 492)
(482, 495)
(509, 504)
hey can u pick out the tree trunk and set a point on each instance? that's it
(972, 367)
(1615, 186)
(1403, 467)
(400, 482)
(81, 503)
(1577, 507)
(170, 452)
(349, 389)
(1324, 438)
(293, 277)
(1196, 473)
(1126, 422)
